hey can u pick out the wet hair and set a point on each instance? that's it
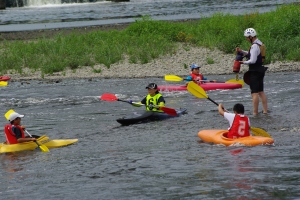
(239, 108)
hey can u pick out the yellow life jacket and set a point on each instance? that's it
(153, 101)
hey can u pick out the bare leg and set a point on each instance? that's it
(264, 101)
(255, 102)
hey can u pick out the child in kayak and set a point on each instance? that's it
(153, 100)
(14, 132)
(239, 123)
(195, 74)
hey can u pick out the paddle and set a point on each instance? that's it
(112, 97)
(236, 80)
(177, 79)
(198, 91)
(3, 83)
(42, 147)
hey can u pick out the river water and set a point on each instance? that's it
(156, 160)
(39, 14)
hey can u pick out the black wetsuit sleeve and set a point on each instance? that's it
(161, 99)
(143, 101)
(17, 132)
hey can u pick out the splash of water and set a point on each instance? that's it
(41, 2)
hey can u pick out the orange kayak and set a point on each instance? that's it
(219, 137)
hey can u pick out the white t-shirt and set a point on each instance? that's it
(254, 51)
(230, 118)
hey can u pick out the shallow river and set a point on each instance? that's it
(156, 160)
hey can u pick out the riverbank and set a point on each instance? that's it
(176, 63)
(169, 64)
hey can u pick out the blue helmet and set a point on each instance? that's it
(194, 66)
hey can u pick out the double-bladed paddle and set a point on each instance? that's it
(199, 92)
(175, 78)
(112, 97)
(41, 146)
(44, 148)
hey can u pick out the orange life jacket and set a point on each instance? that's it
(10, 135)
(196, 77)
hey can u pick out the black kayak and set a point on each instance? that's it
(146, 116)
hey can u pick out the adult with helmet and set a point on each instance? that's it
(14, 132)
(153, 101)
(255, 57)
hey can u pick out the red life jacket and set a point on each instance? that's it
(10, 135)
(240, 127)
(196, 77)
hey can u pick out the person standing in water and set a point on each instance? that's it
(256, 71)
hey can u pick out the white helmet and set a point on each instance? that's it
(249, 32)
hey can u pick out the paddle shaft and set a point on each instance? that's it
(123, 100)
(42, 147)
(213, 101)
(169, 111)
(112, 97)
(32, 137)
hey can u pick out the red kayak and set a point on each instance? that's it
(205, 86)
(4, 78)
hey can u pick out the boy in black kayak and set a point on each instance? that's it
(153, 101)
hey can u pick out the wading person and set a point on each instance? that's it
(255, 56)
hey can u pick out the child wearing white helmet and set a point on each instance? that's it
(14, 132)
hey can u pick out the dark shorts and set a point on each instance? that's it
(256, 81)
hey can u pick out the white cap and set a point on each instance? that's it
(14, 115)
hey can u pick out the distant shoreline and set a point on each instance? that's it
(51, 32)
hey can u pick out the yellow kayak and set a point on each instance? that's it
(5, 148)
(219, 137)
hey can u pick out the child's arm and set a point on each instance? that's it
(221, 109)
(136, 104)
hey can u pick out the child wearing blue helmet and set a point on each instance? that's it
(195, 74)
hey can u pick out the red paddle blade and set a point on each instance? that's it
(169, 111)
(108, 97)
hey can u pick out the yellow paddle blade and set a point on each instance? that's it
(43, 147)
(6, 115)
(3, 83)
(196, 90)
(173, 78)
(236, 81)
(259, 132)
